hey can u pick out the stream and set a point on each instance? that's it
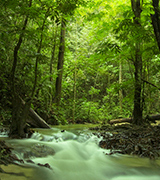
(72, 153)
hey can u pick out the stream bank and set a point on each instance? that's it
(130, 139)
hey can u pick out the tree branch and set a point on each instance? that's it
(150, 84)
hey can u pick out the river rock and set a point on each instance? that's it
(38, 151)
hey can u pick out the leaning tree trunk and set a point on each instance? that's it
(156, 21)
(137, 111)
(60, 65)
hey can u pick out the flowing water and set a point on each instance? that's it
(74, 154)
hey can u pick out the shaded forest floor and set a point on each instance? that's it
(128, 139)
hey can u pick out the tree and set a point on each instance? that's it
(102, 36)
(156, 21)
(60, 64)
(137, 111)
(19, 112)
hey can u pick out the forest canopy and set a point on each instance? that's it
(78, 61)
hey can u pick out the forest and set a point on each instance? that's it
(78, 64)
(78, 61)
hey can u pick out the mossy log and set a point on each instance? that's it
(35, 120)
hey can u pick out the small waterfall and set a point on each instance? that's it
(78, 157)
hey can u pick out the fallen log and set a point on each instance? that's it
(121, 120)
(151, 119)
(35, 121)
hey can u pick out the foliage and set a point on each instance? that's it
(100, 36)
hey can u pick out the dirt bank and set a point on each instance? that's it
(133, 140)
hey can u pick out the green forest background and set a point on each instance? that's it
(79, 61)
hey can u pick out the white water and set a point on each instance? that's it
(78, 157)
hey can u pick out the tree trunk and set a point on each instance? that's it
(19, 112)
(60, 64)
(51, 63)
(53, 51)
(137, 111)
(120, 91)
(74, 92)
(156, 21)
(16, 49)
(39, 52)
(18, 124)
(75, 79)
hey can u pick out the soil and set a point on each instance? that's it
(129, 139)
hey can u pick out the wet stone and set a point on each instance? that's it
(38, 151)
